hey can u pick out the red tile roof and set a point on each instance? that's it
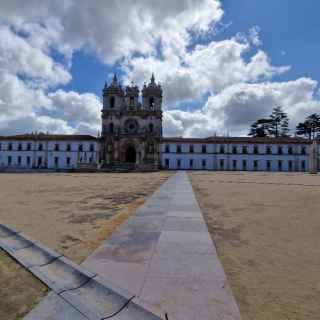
(44, 137)
(235, 140)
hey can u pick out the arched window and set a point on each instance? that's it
(151, 127)
(151, 102)
(111, 127)
(112, 102)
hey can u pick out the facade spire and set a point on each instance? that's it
(115, 80)
(152, 79)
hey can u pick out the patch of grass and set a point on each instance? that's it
(19, 289)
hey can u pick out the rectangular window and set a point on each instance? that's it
(178, 149)
(234, 150)
(234, 164)
(167, 148)
(39, 161)
(268, 165)
(19, 160)
(303, 150)
(40, 148)
(167, 163)
(191, 149)
(91, 147)
(28, 146)
(221, 164)
(204, 163)
(204, 149)
(255, 165)
(56, 147)
(290, 150)
(280, 150)
(19, 146)
(9, 160)
(178, 163)
(28, 161)
(68, 161)
(268, 150)
(244, 165)
(56, 161)
(244, 149)
(255, 150)
(303, 165)
(10, 147)
(191, 163)
(290, 165)
(80, 148)
(222, 149)
(280, 165)
(68, 147)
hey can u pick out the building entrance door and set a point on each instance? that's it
(131, 155)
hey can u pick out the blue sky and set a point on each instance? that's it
(222, 64)
(288, 31)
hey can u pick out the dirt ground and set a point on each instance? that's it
(266, 227)
(70, 213)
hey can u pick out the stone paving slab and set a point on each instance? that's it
(61, 275)
(6, 231)
(181, 275)
(15, 242)
(34, 256)
(53, 305)
(95, 300)
(164, 256)
(77, 293)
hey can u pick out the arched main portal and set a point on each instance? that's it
(131, 154)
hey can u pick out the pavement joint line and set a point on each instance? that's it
(121, 309)
(47, 263)
(72, 306)
(78, 287)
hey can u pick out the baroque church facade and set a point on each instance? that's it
(131, 139)
(131, 130)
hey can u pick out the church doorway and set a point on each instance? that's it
(131, 154)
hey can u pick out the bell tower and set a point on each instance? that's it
(152, 96)
(131, 128)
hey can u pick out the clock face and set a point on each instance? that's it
(131, 126)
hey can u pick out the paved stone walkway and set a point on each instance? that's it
(164, 256)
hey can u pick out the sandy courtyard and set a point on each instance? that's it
(267, 230)
(70, 213)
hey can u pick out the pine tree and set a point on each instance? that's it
(279, 123)
(260, 128)
(310, 128)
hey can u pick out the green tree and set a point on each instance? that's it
(310, 128)
(279, 126)
(260, 128)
